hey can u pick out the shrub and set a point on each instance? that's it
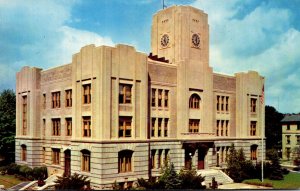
(40, 173)
(72, 182)
(190, 179)
(266, 184)
(13, 169)
(285, 171)
(26, 171)
(3, 170)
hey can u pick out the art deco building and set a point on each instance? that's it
(115, 114)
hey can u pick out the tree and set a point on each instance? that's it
(170, 177)
(275, 168)
(7, 125)
(73, 182)
(238, 168)
(186, 179)
(273, 128)
(190, 179)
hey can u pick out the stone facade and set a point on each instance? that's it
(290, 136)
(129, 112)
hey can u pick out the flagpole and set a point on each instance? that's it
(262, 134)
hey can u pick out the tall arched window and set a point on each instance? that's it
(125, 161)
(253, 150)
(85, 160)
(23, 153)
(195, 101)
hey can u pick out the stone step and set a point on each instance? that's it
(219, 176)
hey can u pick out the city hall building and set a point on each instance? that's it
(115, 114)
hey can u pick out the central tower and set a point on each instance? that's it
(179, 33)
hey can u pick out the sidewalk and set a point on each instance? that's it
(242, 186)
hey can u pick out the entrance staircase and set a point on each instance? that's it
(49, 184)
(219, 175)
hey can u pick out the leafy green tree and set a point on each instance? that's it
(238, 168)
(73, 182)
(7, 125)
(273, 128)
(186, 179)
(275, 168)
(190, 179)
(170, 178)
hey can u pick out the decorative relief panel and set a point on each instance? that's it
(57, 74)
(224, 83)
(162, 74)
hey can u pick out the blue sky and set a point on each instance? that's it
(261, 35)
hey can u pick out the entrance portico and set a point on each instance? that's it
(191, 148)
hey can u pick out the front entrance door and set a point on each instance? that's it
(188, 158)
(201, 156)
(68, 162)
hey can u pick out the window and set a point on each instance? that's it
(153, 97)
(159, 164)
(44, 127)
(194, 101)
(298, 126)
(288, 127)
(159, 127)
(44, 155)
(125, 93)
(44, 101)
(55, 99)
(86, 126)
(159, 98)
(24, 115)
(55, 127)
(166, 98)
(153, 158)
(194, 125)
(298, 139)
(125, 126)
(222, 155)
(56, 156)
(288, 139)
(23, 153)
(68, 98)
(288, 153)
(253, 150)
(153, 127)
(227, 103)
(125, 158)
(166, 127)
(253, 105)
(222, 126)
(218, 126)
(226, 127)
(166, 155)
(222, 103)
(253, 128)
(218, 103)
(85, 160)
(226, 151)
(87, 97)
(69, 126)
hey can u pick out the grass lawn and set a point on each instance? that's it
(290, 181)
(9, 180)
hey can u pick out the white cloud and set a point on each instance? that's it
(35, 33)
(74, 39)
